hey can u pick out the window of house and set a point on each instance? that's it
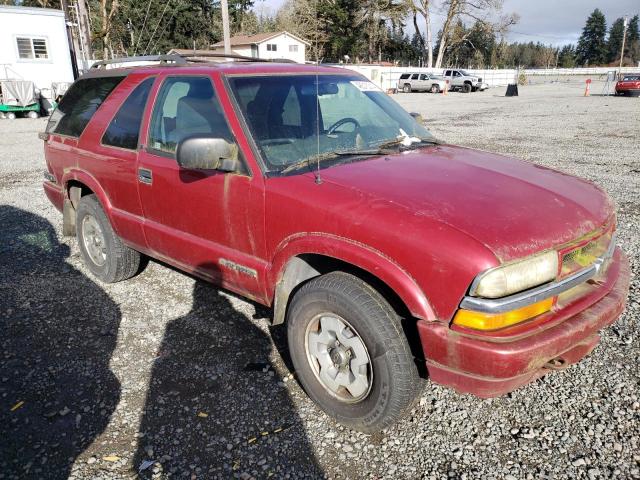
(186, 106)
(79, 104)
(30, 48)
(293, 48)
(124, 128)
(272, 47)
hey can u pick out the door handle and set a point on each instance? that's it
(145, 176)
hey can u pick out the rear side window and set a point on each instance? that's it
(79, 104)
(405, 76)
(124, 129)
(414, 76)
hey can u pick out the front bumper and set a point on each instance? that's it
(491, 365)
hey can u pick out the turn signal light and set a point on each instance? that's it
(495, 321)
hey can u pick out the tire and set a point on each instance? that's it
(392, 381)
(435, 88)
(33, 114)
(10, 116)
(466, 88)
(106, 256)
(406, 88)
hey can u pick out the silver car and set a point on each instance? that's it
(420, 82)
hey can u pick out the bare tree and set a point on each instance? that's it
(422, 7)
(483, 11)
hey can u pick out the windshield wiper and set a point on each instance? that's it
(382, 149)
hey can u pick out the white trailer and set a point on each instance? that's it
(34, 47)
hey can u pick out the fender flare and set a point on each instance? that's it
(288, 270)
(91, 183)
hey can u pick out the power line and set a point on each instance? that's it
(155, 29)
(135, 48)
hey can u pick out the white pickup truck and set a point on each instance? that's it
(461, 80)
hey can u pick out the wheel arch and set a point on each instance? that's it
(77, 184)
(310, 257)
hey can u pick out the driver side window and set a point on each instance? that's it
(186, 106)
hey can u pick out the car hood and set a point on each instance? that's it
(513, 207)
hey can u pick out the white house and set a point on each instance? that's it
(268, 45)
(34, 46)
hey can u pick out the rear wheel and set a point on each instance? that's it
(435, 88)
(10, 116)
(406, 88)
(350, 352)
(102, 250)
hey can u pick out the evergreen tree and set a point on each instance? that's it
(567, 57)
(614, 44)
(592, 46)
(633, 41)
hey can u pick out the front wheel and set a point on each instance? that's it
(466, 88)
(350, 352)
(102, 250)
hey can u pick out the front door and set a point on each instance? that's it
(204, 221)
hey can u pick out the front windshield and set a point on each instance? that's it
(464, 72)
(294, 118)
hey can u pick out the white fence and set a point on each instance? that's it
(387, 77)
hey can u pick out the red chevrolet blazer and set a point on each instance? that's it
(388, 254)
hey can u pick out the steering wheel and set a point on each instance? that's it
(332, 129)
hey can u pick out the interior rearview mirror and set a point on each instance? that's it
(206, 153)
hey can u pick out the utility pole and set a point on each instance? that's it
(84, 28)
(624, 37)
(225, 27)
(72, 47)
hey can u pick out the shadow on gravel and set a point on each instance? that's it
(214, 408)
(58, 331)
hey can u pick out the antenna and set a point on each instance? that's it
(317, 172)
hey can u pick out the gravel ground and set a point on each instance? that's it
(167, 373)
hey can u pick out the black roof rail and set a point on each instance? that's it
(142, 58)
(183, 59)
(199, 57)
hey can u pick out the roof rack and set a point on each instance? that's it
(178, 59)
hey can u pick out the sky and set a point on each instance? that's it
(556, 22)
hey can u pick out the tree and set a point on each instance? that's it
(479, 10)
(426, 44)
(614, 44)
(633, 41)
(567, 57)
(592, 46)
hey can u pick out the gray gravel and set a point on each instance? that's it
(167, 373)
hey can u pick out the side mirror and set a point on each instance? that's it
(417, 117)
(206, 153)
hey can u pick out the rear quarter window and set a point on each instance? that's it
(79, 104)
(124, 128)
(404, 76)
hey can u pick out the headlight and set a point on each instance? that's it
(516, 277)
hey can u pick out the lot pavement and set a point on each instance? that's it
(96, 380)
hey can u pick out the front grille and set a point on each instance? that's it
(479, 79)
(585, 255)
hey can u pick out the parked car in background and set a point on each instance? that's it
(420, 82)
(628, 84)
(464, 81)
(307, 189)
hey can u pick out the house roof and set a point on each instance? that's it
(258, 38)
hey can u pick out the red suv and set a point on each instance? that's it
(309, 190)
